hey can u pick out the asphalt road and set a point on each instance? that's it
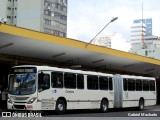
(125, 112)
(116, 114)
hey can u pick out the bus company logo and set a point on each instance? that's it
(6, 114)
(69, 91)
(54, 91)
(15, 114)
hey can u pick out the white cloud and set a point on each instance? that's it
(119, 43)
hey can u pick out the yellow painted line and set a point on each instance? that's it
(72, 43)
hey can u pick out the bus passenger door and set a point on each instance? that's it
(118, 94)
(45, 101)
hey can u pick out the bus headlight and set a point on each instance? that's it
(9, 100)
(31, 100)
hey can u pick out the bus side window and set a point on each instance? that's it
(70, 80)
(103, 83)
(43, 81)
(125, 85)
(138, 85)
(110, 83)
(152, 85)
(80, 81)
(145, 85)
(131, 85)
(92, 82)
(57, 79)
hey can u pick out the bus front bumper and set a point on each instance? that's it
(20, 106)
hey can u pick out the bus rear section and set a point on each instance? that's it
(134, 91)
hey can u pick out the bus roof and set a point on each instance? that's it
(137, 77)
(49, 68)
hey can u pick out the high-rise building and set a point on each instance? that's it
(104, 40)
(148, 24)
(142, 41)
(138, 31)
(49, 16)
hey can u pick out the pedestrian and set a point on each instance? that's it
(4, 99)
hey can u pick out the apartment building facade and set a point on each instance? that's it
(48, 16)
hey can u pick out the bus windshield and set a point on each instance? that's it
(22, 84)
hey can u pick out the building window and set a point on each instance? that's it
(57, 24)
(52, 13)
(47, 12)
(56, 5)
(52, 32)
(63, 17)
(63, 26)
(61, 34)
(53, 5)
(8, 8)
(9, 17)
(46, 30)
(146, 53)
(47, 22)
(56, 32)
(53, 23)
(64, 9)
(61, 8)
(47, 3)
(56, 15)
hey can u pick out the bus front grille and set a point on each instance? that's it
(19, 106)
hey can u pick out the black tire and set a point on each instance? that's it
(104, 106)
(141, 105)
(60, 107)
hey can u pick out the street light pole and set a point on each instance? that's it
(112, 20)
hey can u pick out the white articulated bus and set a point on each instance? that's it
(37, 88)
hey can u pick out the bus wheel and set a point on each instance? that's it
(60, 107)
(104, 106)
(141, 104)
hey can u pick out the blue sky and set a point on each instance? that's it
(87, 17)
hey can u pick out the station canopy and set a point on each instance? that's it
(27, 43)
